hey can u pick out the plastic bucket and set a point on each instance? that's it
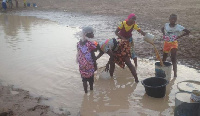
(184, 106)
(34, 5)
(149, 38)
(163, 71)
(28, 4)
(104, 75)
(155, 86)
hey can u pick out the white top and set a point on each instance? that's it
(4, 0)
(173, 32)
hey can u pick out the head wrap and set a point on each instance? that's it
(130, 16)
(85, 31)
(83, 37)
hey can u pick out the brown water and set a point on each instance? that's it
(38, 55)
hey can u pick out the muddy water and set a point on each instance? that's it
(38, 55)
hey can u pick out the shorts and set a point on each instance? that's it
(90, 79)
(169, 45)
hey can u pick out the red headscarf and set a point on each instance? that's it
(130, 16)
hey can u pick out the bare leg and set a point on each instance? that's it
(112, 68)
(165, 55)
(112, 64)
(91, 81)
(135, 62)
(174, 61)
(91, 85)
(85, 86)
(131, 68)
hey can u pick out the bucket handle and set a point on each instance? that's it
(156, 86)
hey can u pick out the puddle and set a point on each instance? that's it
(38, 55)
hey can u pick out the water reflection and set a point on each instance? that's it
(110, 96)
(158, 104)
(12, 25)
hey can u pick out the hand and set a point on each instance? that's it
(177, 37)
(107, 67)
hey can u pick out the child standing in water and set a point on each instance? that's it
(171, 33)
(86, 58)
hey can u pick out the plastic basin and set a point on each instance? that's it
(155, 86)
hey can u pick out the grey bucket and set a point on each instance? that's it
(163, 71)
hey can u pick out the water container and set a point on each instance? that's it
(28, 4)
(104, 75)
(184, 106)
(34, 5)
(163, 71)
(149, 38)
(155, 86)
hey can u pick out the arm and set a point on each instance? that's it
(110, 53)
(187, 32)
(100, 54)
(162, 30)
(117, 33)
(141, 32)
(94, 59)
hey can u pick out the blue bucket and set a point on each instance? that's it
(163, 71)
(34, 5)
(28, 4)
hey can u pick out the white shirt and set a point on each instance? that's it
(4, 1)
(173, 32)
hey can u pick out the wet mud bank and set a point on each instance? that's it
(18, 102)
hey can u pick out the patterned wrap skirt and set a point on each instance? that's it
(122, 53)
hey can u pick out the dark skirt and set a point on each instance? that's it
(91, 79)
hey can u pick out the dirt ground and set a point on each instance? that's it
(151, 15)
(17, 102)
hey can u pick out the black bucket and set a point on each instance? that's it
(155, 86)
(187, 109)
